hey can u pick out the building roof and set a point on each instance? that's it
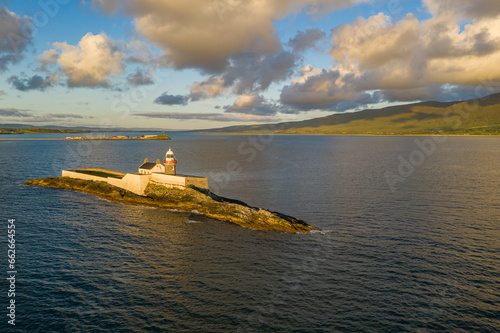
(147, 166)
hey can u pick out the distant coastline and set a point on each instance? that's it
(112, 138)
(346, 134)
(123, 137)
(478, 117)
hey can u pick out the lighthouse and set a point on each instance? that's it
(170, 162)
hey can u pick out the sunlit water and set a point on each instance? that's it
(422, 257)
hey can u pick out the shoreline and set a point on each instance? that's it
(82, 139)
(345, 134)
(256, 133)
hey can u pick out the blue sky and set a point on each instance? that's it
(210, 63)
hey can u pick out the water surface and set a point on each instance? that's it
(420, 257)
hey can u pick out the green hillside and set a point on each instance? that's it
(474, 117)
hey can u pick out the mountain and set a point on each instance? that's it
(479, 116)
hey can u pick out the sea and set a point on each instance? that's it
(409, 238)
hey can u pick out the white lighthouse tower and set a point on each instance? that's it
(170, 162)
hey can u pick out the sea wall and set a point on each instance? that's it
(200, 182)
(78, 175)
(133, 182)
(178, 180)
(168, 180)
(136, 182)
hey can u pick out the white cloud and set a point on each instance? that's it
(464, 9)
(376, 59)
(211, 87)
(252, 104)
(90, 63)
(47, 58)
(206, 33)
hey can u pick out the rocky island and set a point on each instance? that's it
(157, 185)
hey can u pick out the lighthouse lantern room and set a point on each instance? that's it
(169, 162)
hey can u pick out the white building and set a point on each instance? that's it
(136, 182)
(148, 168)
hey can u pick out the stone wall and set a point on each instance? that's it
(136, 182)
(133, 182)
(168, 180)
(121, 174)
(200, 182)
(78, 175)
(179, 180)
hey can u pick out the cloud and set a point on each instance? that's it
(36, 82)
(15, 36)
(138, 52)
(140, 78)
(90, 63)
(304, 40)
(26, 115)
(13, 112)
(323, 89)
(224, 117)
(166, 99)
(410, 54)
(245, 74)
(51, 117)
(429, 92)
(378, 60)
(211, 87)
(97, 58)
(463, 9)
(205, 34)
(255, 105)
(47, 58)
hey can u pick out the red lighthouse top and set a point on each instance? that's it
(169, 157)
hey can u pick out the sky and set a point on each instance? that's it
(197, 64)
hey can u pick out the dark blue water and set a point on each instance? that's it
(415, 249)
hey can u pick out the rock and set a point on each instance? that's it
(190, 199)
